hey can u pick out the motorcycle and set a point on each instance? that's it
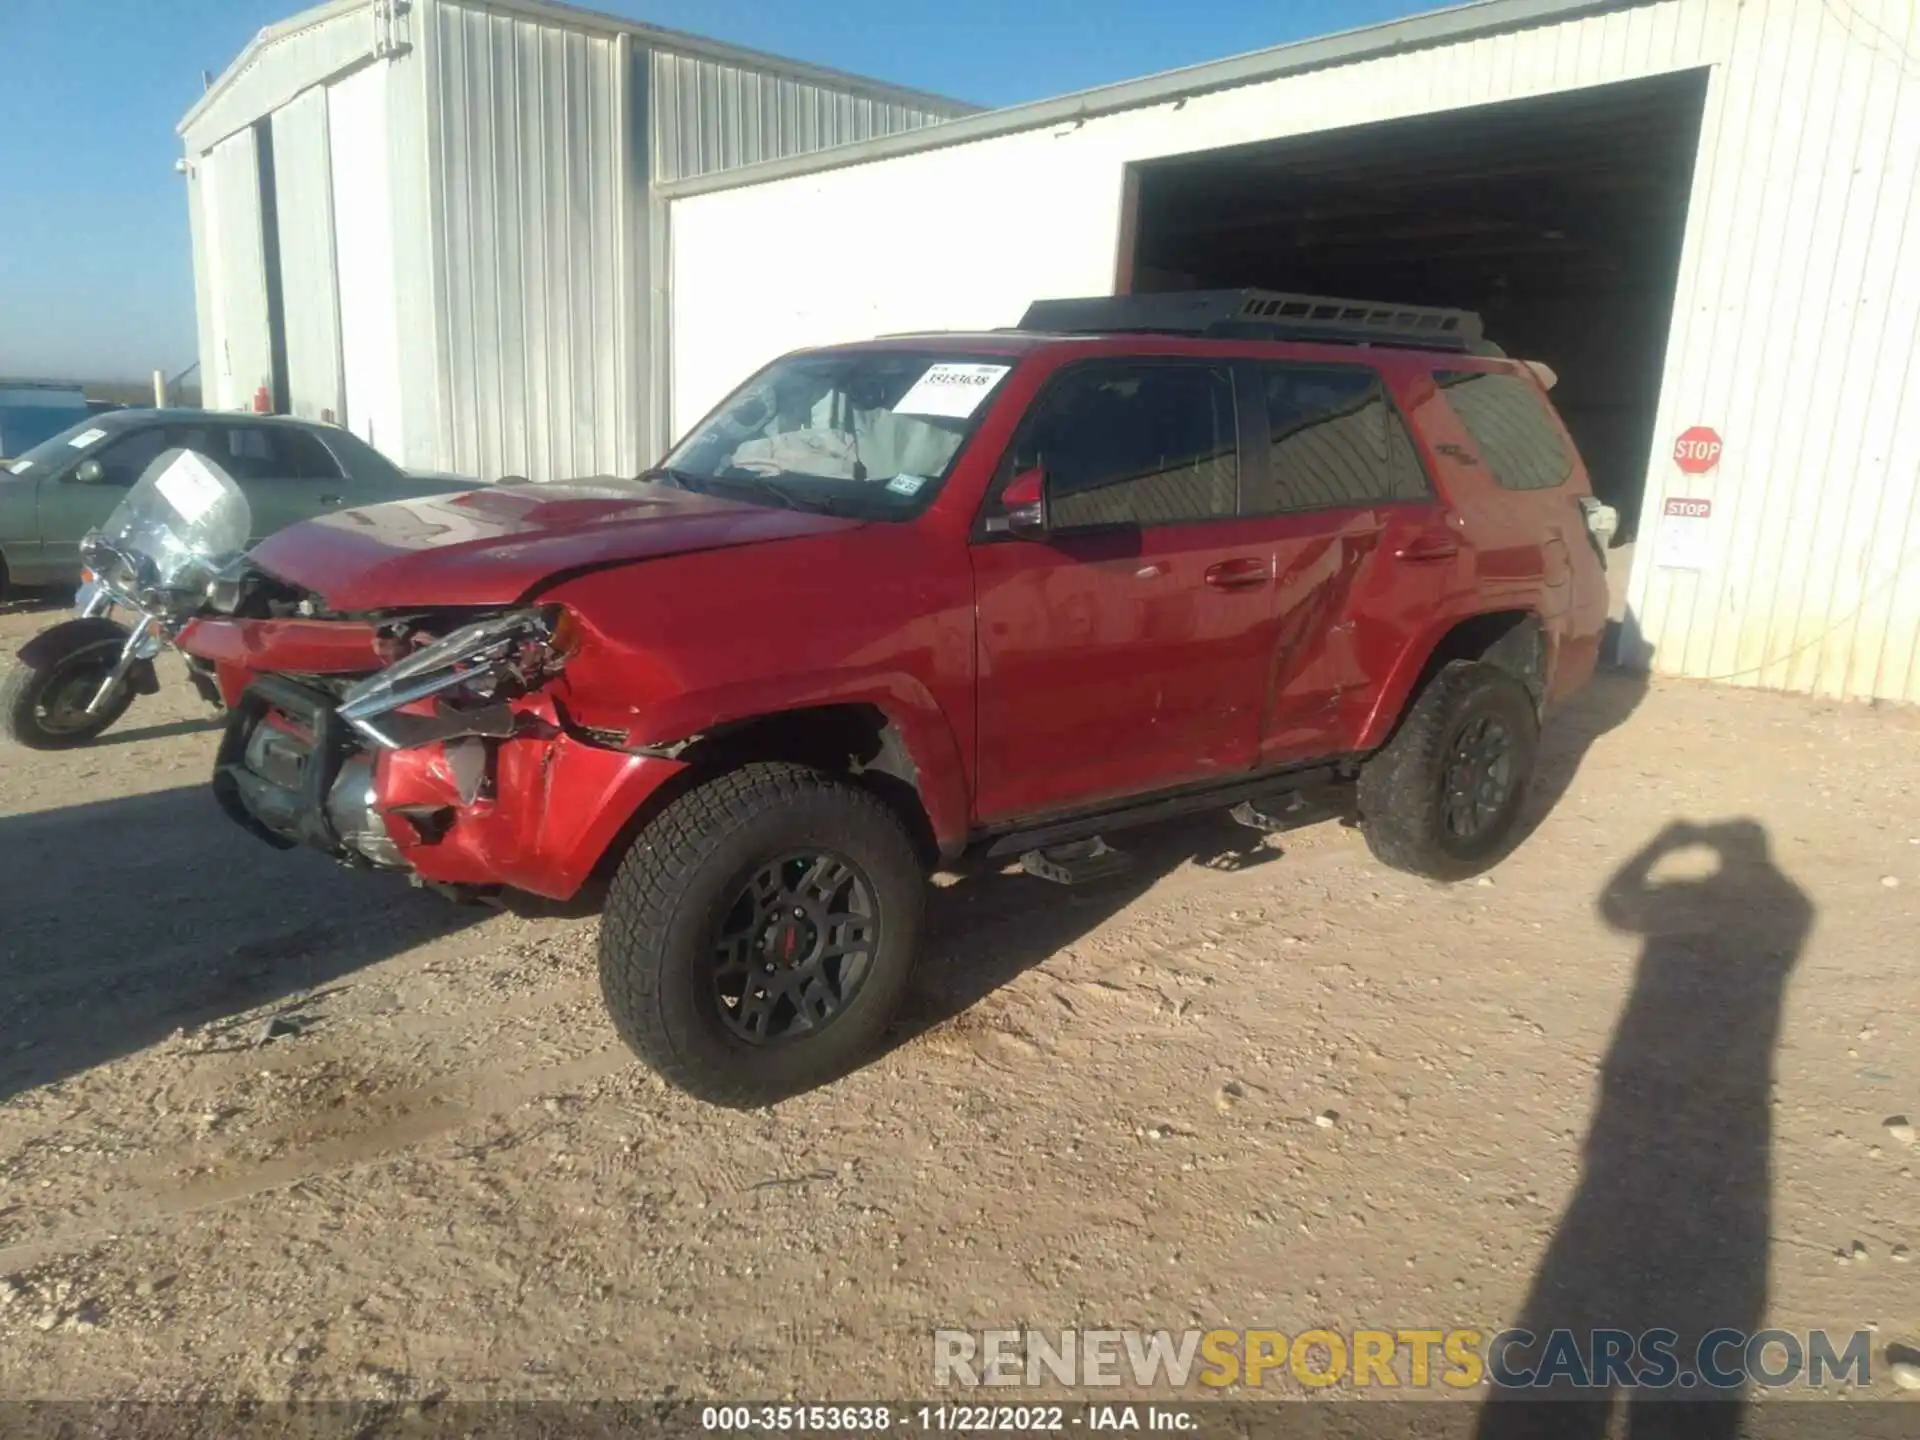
(182, 524)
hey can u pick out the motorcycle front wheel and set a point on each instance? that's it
(43, 705)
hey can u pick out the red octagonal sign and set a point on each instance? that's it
(1697, 450)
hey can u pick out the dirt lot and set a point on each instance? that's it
(1569, 1091)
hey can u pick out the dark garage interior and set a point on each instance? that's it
(1559, 219)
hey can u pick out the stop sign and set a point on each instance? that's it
(1697, 450)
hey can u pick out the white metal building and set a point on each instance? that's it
(436, 221)
(1701, 213)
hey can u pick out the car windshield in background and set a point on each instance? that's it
(872, 432)
(72, 439)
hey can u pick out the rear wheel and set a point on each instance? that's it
(761, 932)
(44, 707)
(1443, 797)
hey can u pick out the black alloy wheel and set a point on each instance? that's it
(795, 946)
(1480, 774)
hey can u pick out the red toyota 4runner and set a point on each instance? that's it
(901, 602)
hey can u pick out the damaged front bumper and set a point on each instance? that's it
(495, 795)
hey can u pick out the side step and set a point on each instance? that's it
(1255, 816)
(1076, 864)
(1091, 824)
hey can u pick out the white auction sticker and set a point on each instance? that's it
(20, 467)
(1686, 534)
(85, 438)
(906, 484)
(950, 390)
(190, 487)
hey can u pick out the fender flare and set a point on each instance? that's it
(1399, 690)
(910, 710)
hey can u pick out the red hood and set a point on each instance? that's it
(491, 546)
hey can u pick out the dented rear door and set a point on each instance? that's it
(1363, 553)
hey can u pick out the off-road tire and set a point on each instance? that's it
(23, 687)
(1403, 785)
(672, 890)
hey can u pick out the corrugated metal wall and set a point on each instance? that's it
(229, 183)
(709, 116)
(359, 148)
(1795, 329)
(531, 181)
(546, 261)
(309, 288)
(1794, 336)
(327, 40)
(472, 258)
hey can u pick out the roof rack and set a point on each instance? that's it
(1264, 315)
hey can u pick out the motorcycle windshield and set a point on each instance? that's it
(183, 519)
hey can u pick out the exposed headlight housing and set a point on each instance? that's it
(491, 659)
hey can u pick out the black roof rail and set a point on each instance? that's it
(1264, 315)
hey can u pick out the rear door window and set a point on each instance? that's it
(1136, 444)
(300, 456)
(244, 452)
(1507, 419)
(1335, 439)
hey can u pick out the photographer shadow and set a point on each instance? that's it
(1669, 1227)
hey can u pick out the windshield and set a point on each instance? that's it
(52, 450)
(181, 521)
(867, 431)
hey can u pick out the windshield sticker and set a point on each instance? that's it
(951, 391)
(86, 438)
(190, 487)
(904, 484)
(20, 467)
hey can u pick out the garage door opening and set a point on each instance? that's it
(1559, 219)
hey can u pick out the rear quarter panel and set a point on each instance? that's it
(1523, 550)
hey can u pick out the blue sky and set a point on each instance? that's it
(96, 277)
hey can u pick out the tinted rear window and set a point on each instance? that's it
(1335, 439)
(1508, 421)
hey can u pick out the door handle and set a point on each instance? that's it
(1427, 549)
(1239, 574)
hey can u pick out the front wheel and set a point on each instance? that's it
(43, 704)
(761, 932)
(1442, 798)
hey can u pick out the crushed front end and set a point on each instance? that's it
(455, 759)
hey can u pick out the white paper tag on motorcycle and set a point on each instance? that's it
(85, 438)
(189, 486)
(952, 391)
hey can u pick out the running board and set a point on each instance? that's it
(1145, 812)
(1078, 863)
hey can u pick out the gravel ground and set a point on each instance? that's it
(1251, 1083)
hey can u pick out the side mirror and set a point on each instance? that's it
(1024, 506)
(88, 472)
